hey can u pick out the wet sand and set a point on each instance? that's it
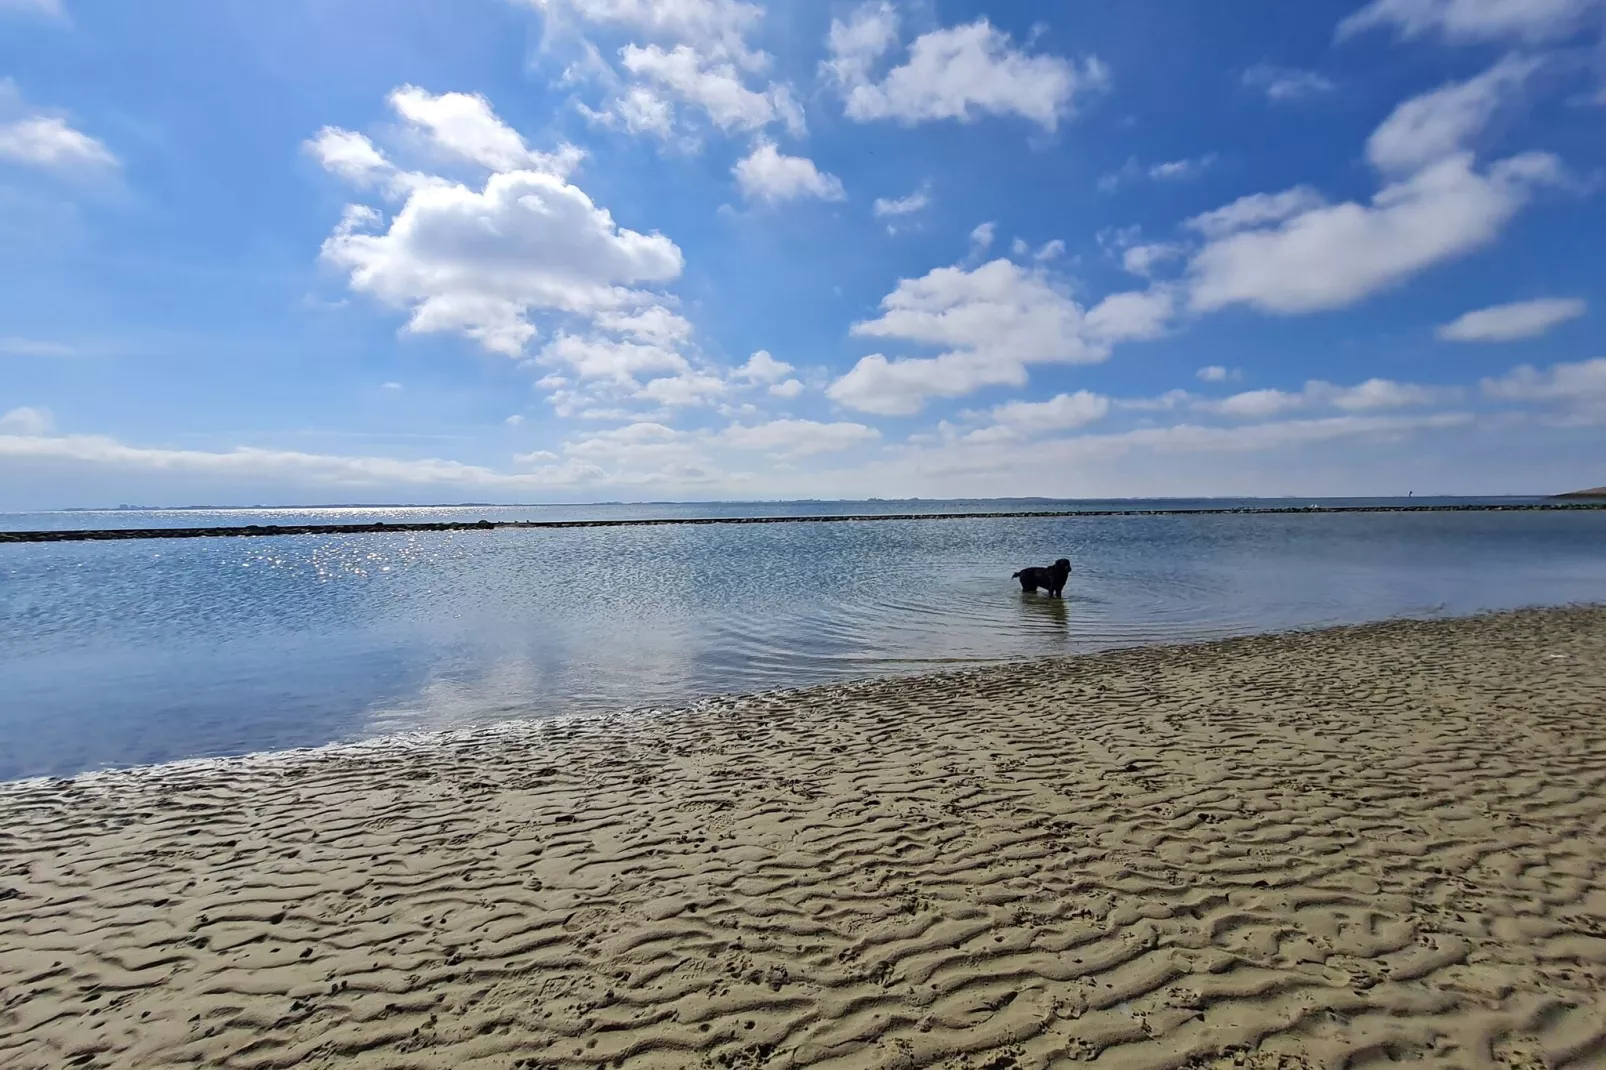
(1343, 848)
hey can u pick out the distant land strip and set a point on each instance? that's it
(101, 534)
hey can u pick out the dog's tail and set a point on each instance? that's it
(1014, 575)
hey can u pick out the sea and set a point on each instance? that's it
(142, 651)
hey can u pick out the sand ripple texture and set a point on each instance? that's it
(1339, 849)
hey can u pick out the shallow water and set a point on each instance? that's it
(142, 651)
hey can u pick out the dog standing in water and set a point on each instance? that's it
(1052, 579)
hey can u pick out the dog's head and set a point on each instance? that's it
(1064, 564)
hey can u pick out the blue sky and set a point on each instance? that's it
(559, 250)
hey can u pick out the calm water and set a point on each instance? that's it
(149, 650)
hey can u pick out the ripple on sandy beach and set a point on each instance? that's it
(1343, 848)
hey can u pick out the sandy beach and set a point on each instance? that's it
(1334, 849)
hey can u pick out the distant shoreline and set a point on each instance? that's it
(250, 530)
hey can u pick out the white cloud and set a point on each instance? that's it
(761, 367)
(767, 174)
(991, 321)
(50, 143)
(691, 52)
(1141, 260)
(961, 72)
(515, 420)
(798, 438)
(1049, 250)
(1440, 123)
(350, 156)
(1167, 171)
(1470, 20)
(982, 236)
(1131, 316)
(715, 87)
(716, 28)
(1286, 84)
(917, 201)
(1333, 256)
(787, 390)
(1371, 395)
(311, 468)
(637, 110)
(856, 45)
(655, 324)
(463, 125)
(391, 386)
(611, 359)
(32, 137)
(26, 421)
(1180, 169)
(1507, 323)
(1257, 209)
(1166, 402)
(1024, 419)
(1579, 388)
(480, 262)
(686, 389)
(1215, 373)
(960, 465)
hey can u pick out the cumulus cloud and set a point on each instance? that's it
(761, 367)
(1368, 396)
(1172, 170)
(1215, 373)
(26, 421)
(1290, 252)
(981, 238)
(1255, 210)
(482, 261)
(1333, 256)
(1440, 123)
(1470, 20)
(691, 58)
(308, 468)
(1510, 322)
(1578, 389)
(1024, 419)
(798, 438)
(1131, 316)
(767, 174)
(1049, 250)
(960, 72)
(715, 87)
(918, 201)
(36, 138)
(479, 262)
(463, 125)
(1142, 260)
(787, 389)
(717, 28)
(1283, 85)
(991, 322)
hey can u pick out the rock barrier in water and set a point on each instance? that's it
(107, 534)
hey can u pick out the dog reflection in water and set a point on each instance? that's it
(1051, 578)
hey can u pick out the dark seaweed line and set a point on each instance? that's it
(99, 534)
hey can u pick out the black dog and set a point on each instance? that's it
(1052, 579)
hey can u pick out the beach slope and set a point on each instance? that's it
(1340, 848)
